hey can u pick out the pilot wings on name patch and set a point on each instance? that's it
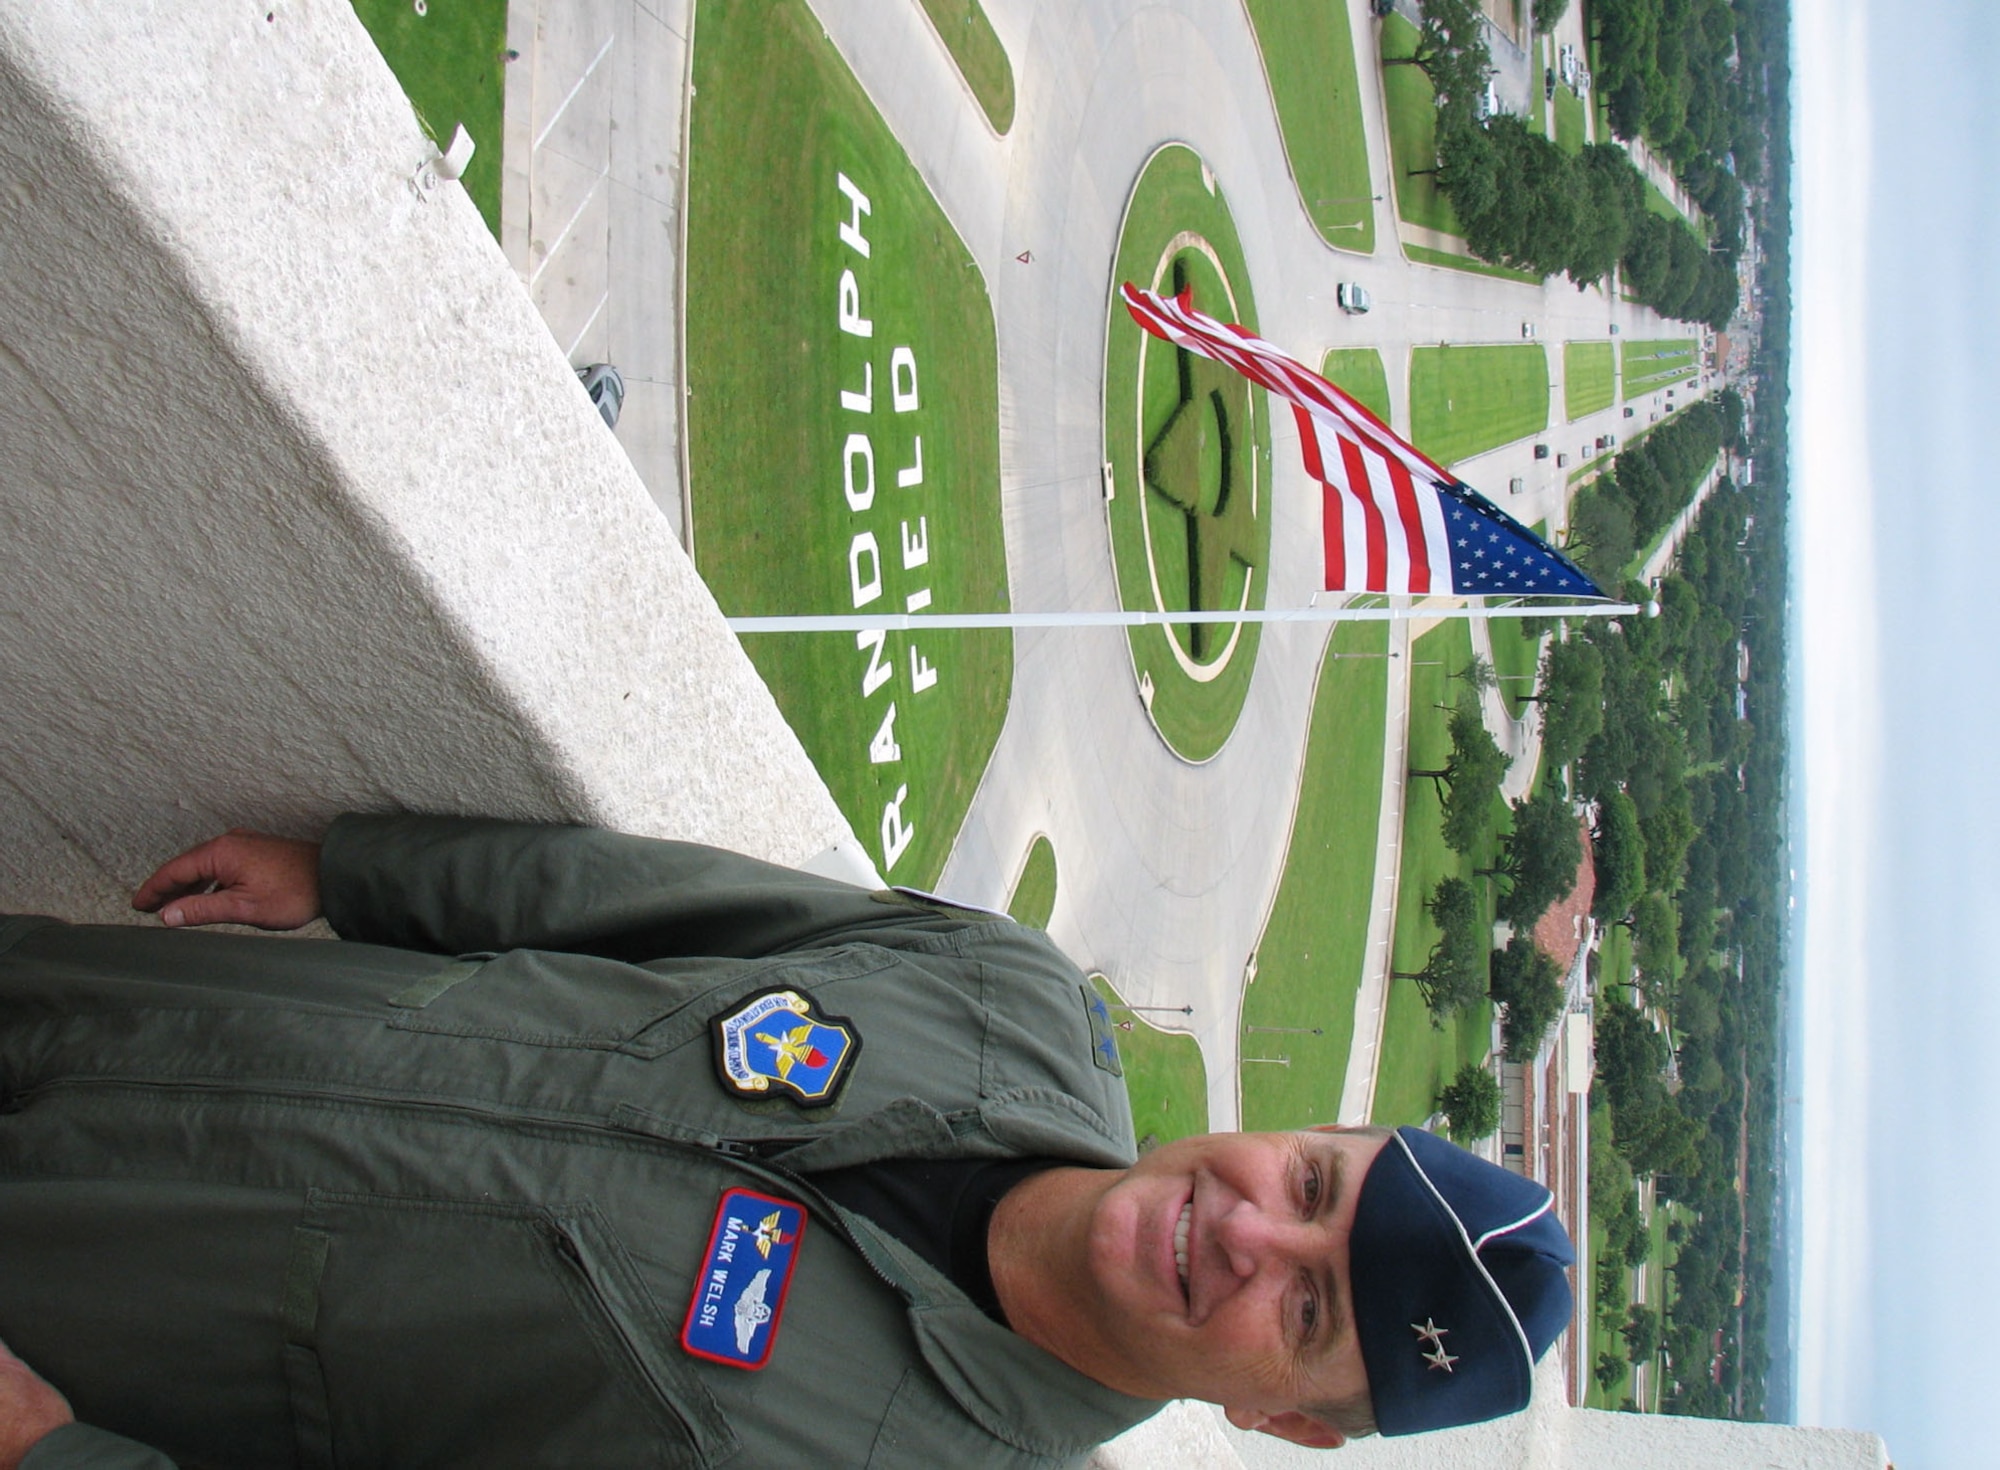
(739, 1295)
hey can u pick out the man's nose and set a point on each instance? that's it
(1252, 1238)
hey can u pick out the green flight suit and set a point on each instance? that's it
(438, 1195)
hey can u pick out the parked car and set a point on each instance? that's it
(1562, 461)
(1541, 451)
(1529, 329)
(1614, 329)
(1488, 103)
(1548, 84)
(1630, 411)
(1353, 297)
(1381, 7)
(1516, 485)
(606, 389)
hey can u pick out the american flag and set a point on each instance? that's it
(1392, 519)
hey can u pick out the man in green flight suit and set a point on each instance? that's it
(591, 1149)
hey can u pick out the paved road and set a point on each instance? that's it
(1167, 869)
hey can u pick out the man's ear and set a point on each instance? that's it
(1301, 1429)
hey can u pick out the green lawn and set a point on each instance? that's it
(1424, 255)
(1515, 656)
(1412, 106)
(1164, 1075)
(980, 58)
(1590, 378)
(1311, 953)
(1538, 106)
(452, 63)
(1571, 129)
(1150, 536)
(1034, 897)
(797, 500)
(1614, 959)
(1308, 51)
(1466, 400)
(1417, 1058)
(1649, 366)
(1658, 203)
(1359, 371)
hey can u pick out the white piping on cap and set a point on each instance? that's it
(1527, 1348)
(1540, 1210)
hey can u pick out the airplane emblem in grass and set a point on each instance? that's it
(1198, 461)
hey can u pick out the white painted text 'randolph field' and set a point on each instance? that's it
(911, 547)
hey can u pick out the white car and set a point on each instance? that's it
(1353, 297)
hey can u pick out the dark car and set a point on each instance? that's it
(1548, 84)
(1541, 451)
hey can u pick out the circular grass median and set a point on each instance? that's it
(1188, 445)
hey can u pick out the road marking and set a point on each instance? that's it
(556, 116)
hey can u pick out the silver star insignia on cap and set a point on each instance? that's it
(1428, 1332)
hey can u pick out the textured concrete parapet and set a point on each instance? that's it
(301, 508)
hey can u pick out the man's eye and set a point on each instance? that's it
(1312, 1187)
(1308, 1315)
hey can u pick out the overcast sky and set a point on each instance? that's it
(1894, 427)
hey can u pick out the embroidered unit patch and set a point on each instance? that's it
(779, 1043)
(1103, 1042)
(739, 1296)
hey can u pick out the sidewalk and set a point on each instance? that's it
(590, 202)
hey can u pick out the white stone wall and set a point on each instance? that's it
(301, 508)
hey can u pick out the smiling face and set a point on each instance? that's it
(1217, 1269)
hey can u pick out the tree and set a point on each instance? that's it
(1454, 975)
(1451, 50)
(1656, 926)
(1642, 1334)
(1539, 858)
(1527, 982)
(1470, 1103)
(1618, 857)
(1668, 830)
(1549, 13)
(1610, 1370)
(1468, 779)
(1601, 536)
(1571, 694)
(1479, 675)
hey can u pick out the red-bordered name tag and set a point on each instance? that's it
(739, 1297)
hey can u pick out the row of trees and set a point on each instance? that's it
(1525, 202)
(1649, 484)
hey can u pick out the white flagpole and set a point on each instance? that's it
(921, 622)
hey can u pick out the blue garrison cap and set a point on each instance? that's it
(1459, 1278)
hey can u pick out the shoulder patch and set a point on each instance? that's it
(739, 1293)
(778, 1043)
(1103, 1041)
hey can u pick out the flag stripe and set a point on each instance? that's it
(1416, 553)
(1375, 577)
(1331, 521)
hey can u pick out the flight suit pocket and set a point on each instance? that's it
(461, 1333)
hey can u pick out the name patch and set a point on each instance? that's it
(778, 1043)
(739, 1296)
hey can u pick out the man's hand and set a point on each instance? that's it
(29, 1409)
(241, 877)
